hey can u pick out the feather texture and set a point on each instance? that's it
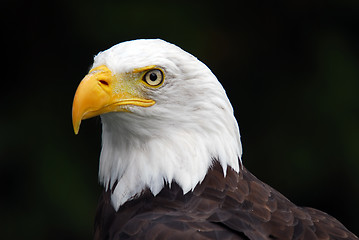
(238, 206)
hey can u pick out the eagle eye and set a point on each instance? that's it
(153, 77)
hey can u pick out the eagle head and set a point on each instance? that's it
(165, 118)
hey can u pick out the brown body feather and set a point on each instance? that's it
(238, 206)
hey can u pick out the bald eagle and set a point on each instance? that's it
(171, 163)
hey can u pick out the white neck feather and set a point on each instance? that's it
(139, 156)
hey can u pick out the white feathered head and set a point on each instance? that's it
(165, 118)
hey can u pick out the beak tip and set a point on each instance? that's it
(76, 125)
(76, 128)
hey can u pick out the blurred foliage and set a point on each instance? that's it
(290, 68)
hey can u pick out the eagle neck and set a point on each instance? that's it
(137, 158)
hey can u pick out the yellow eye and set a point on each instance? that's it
(153, 77)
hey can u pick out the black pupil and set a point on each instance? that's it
(153, 77)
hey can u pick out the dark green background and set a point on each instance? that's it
(290, 68)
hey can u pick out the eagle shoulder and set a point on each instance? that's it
(238, 206)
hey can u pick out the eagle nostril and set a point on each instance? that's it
(103, 82)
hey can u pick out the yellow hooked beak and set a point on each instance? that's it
(102, 92)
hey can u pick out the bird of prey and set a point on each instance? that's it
(171, 163)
